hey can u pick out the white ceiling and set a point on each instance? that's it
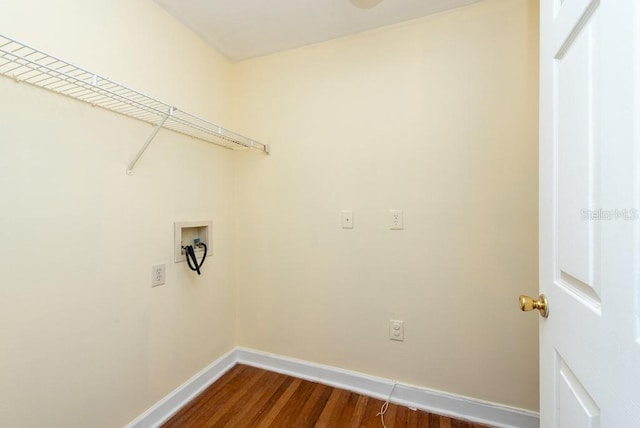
(242, 29)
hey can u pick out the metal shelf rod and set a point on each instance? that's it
(149, 140)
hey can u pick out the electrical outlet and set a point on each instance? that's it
(396, 218)
(396, 330)
(158, 275)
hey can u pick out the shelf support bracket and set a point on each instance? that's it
(149, 140)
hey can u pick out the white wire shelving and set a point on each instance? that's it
(26, 64)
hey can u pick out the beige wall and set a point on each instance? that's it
(437, 117)
(86, 341)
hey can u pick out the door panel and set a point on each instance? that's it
(574, 407)
(577, 169)
(590, 213)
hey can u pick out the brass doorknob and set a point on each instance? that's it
(528, 304)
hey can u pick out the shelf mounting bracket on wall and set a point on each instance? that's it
(26, 64)
(149, 140)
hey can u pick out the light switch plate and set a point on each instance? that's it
(347, 219)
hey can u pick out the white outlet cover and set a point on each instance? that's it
(158, 274)
(396, 220)
(396, 330)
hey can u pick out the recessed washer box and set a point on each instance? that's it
(185, 234)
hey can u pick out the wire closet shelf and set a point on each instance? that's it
(26, 64)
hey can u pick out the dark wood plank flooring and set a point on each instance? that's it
(248, 397)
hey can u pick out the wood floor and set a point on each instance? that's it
(247, 397)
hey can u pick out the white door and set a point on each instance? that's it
(589, 213)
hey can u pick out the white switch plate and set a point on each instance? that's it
(347, 219)
(158, 275)
(396, 330)
(396, 220)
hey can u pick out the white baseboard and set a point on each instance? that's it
(442, 403)
(438, 402)
(169, 405)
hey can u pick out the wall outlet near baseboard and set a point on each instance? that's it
(396, 220)
(396, 330)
